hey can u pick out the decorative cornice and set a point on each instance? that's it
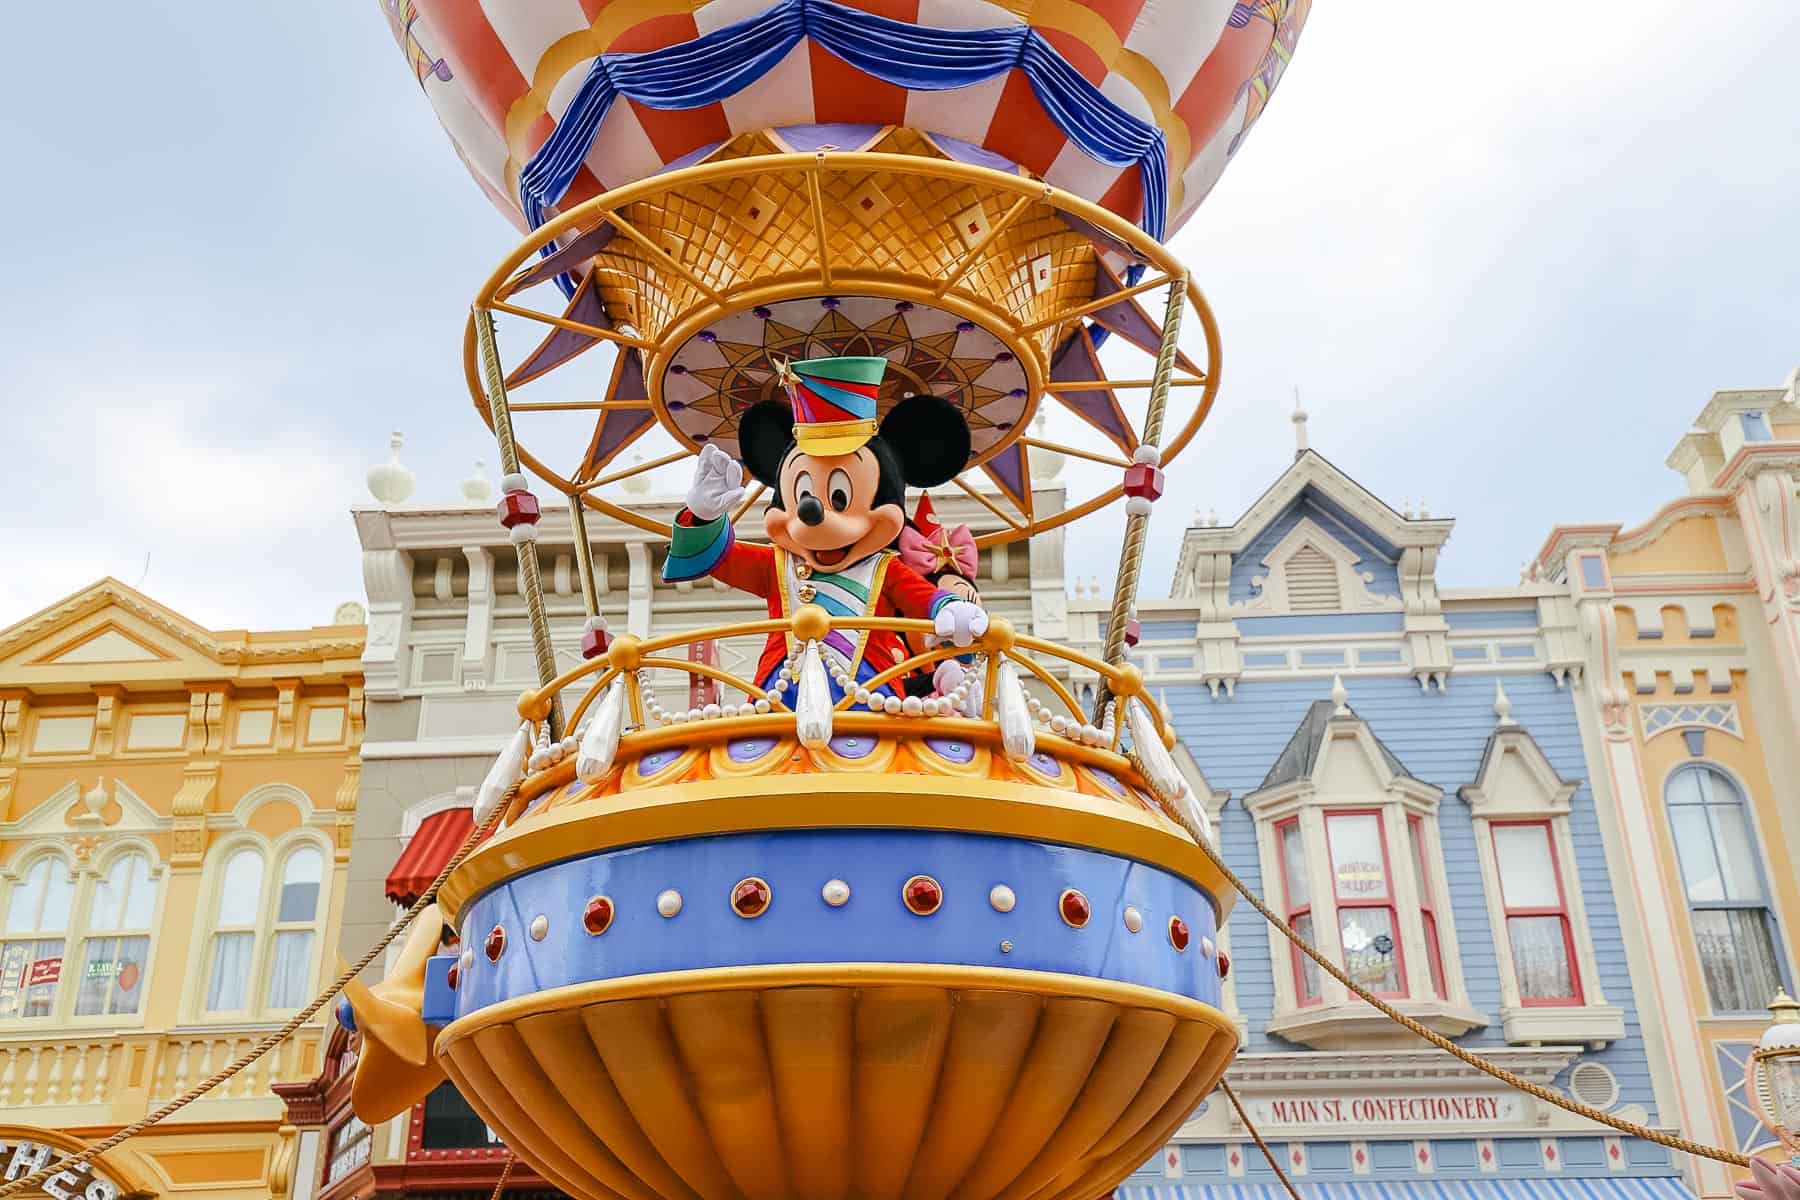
(1753, 460)
(1356, 1068)
(1566, 538)
(228, 649)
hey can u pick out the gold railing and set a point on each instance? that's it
(629, 657)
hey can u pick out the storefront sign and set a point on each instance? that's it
(21, 1158)
(1451, 1111)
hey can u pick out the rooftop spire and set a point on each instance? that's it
(1299, 420)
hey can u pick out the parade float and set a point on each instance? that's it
(919, 906)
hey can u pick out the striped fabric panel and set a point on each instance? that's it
(1181, 63)
(1608, 1187)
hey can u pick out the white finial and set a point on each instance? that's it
(476, 489)
(1424, 512)
(1046, 464)
(639, 484)
(1340, 697)
(1299, 420)
(92, 801)
(390, 482)
(1503, 706)
(1212, 518)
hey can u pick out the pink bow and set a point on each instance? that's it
(944, 550)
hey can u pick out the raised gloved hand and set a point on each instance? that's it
(961, 622)
(718, 485)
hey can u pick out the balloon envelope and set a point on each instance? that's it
(1135, 104)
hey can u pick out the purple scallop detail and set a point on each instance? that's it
(830, 302)
(657, 760)
(761, 312)
(852, 745)
(965, 327)
(708, 336)
(1107, 780)
(1044, 764)
(748, 750)
(677, 405)
(1016, 393)
(700, 439)
(903, 306)
(678, 369)
(1004, 356)
(1003, 426)
(955, 751)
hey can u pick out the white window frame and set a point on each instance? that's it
(85, 878)
(1349, 759)
(1502, 795)
(275, 854)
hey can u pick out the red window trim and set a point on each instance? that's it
(1434, 951)
(1289, 912)
(1561, 911)
(1387, 870)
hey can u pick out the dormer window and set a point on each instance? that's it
(1350, 851)
(1549, 977)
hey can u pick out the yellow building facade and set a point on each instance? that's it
(1691, 625)
(176, 807)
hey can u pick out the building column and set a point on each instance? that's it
(640, 589)
(1668, 1014)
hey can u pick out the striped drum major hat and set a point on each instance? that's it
(834, 401)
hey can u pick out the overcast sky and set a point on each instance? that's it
(1505, 250)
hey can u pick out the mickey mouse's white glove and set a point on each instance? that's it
(718, 485)
(961, 622)
(948, 676)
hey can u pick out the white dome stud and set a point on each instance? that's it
(835, 893)
(668, 902)
(539, 927)
(1134, 920)
(1207, 948)
(1148, 455)
(390, 482)
(1001, 898)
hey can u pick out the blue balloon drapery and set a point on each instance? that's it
(722, 63)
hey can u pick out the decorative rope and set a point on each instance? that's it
(274, 1039)
(501, 412)
(1699, 1149)
(505, 1175)
(1137, 528)
(1260, 1144)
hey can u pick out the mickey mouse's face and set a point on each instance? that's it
(828, 513)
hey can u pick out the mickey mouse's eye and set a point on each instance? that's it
(803, 486)
(839, 490)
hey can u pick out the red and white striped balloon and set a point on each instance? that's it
(500, 73)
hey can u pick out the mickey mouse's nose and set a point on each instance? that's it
(810, 511)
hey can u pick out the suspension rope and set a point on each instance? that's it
(1260, 1144)
(274, 1039)
(505, 1175)
(1673, 1142)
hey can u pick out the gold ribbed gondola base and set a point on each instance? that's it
(839, 1081)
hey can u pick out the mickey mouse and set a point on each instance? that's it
(839, 482)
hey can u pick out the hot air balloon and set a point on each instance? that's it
(875, 920)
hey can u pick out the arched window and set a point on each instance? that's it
(235, 916)
(116, 948)
(1734, 931)
(296, 916)
(265, 929)
(31, 954)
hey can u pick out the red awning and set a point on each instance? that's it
(440, 835)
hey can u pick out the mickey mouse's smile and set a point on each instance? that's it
(831, 558)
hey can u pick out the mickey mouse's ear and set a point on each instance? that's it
(765, 432)
(930, 437)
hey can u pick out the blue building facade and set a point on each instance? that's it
(1401, 773)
